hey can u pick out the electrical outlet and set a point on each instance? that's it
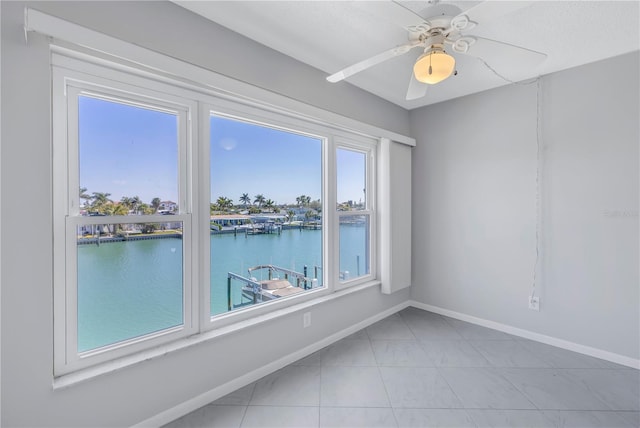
(306, 319)
(534, 303)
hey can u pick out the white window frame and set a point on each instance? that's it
(72, 74)
(333, 138)
(68, 85)
(368, 148)
(252, 115)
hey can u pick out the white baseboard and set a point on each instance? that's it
(224, 389)
(549, 340)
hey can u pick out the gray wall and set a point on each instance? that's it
(138, 392)
(474, 210)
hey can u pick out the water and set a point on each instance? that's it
(293, 249)
(129, 289)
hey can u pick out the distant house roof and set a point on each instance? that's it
(230, 217)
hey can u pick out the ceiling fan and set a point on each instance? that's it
(445, 25)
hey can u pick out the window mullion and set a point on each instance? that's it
(332, 234)
(203, 230)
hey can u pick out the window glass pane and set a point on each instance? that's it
(351, 179)
(354, 246)
(266, 187)
(130, 281)
(128, 158)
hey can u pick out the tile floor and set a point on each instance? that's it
(419, 369)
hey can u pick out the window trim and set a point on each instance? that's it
(103, 74)
(370, 152)
(67, 87)
(334, 138)
(234, 110)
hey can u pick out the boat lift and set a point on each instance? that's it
(272, 288)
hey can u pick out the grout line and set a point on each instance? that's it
(480, 353)
(246, 408)
(526, 396)
(386, 391)
(319, 387)
(450, 387)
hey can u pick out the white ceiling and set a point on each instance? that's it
(331, 35)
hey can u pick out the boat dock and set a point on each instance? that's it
(263, 290)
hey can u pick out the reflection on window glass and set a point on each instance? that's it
(354, 246)
(128, 158)
(351, 179)
(129, 281)
(266, 214)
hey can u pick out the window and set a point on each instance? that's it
(266, 213)
(354, 212)
(124, 282)
(176, 212)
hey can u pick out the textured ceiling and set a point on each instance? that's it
(331, 35)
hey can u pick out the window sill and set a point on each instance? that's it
(67, 380)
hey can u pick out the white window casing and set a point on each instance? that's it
(67, 87)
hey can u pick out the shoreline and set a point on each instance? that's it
(145, 237)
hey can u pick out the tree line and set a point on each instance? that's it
(261, 204)
(100, 203)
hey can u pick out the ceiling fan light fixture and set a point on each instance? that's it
(434, 66)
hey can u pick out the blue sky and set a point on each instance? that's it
(132, 151)
(127, 151)
(350, 175)
(253, 159)
(281, 165)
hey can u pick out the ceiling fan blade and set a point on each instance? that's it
(495, 52)
(488, 10)
(370, 62)
(416, 89)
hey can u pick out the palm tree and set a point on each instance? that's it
(291, 215)
(111, 208)
(268, 204)
(99, 200)
(224, 203)
(135, 203)
(84, 195)
(245, 199)
(303, 200)
(155, 203)
(100, 197)
(116, 209)
(145, 209)
(127, 201)
(259, 200)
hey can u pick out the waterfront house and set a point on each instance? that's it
(167, 207)
(231, 220)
